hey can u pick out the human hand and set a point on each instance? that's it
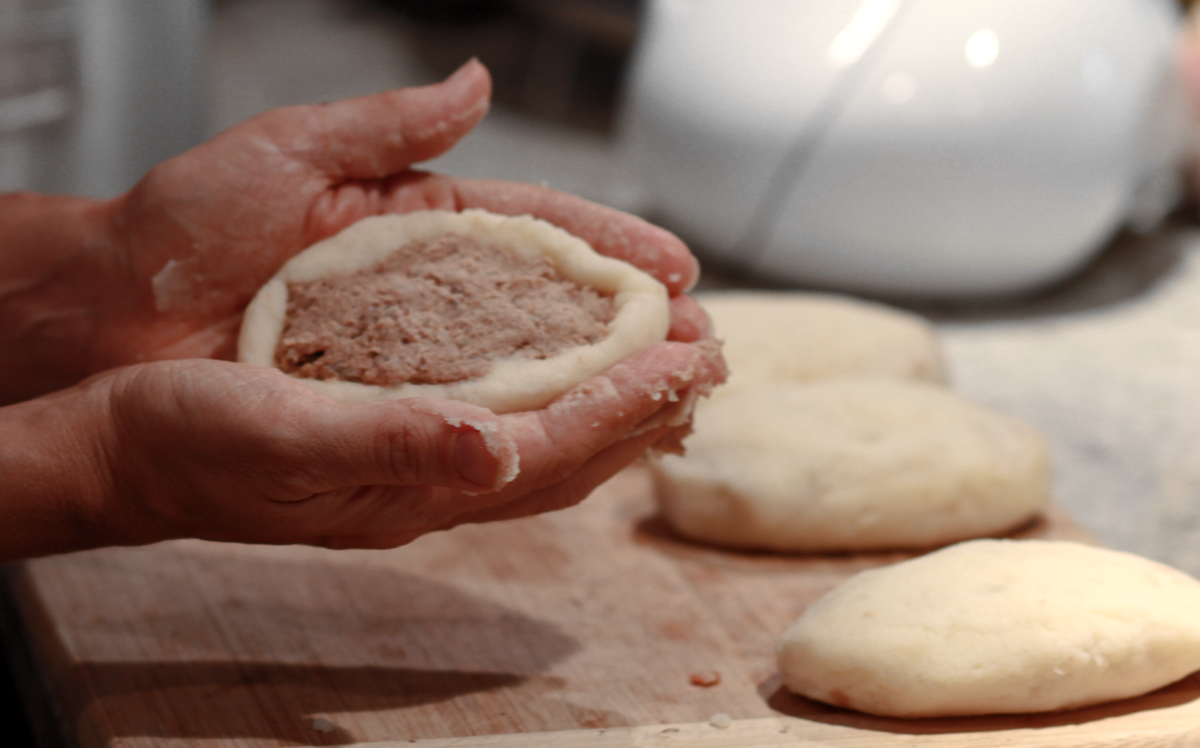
(202, 232)
(230, 452)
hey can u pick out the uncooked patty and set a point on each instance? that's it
(435, 312)
(640, 307)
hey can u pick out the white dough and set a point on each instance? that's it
(851, 464)
(996, 626)
(642, 308)
(799, 337)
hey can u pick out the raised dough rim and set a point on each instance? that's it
(642, 307)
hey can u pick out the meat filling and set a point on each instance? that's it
(436, 312)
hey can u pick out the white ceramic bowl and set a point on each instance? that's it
(918, 147)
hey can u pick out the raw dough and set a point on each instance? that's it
(642, 308)
(996, 626)
(799, 337)
(851, 464)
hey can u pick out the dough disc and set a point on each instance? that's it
(800, 337)
(996, 627)
(642, 308)
(851, 464)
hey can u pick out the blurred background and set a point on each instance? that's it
(95, 92)
(741, 125)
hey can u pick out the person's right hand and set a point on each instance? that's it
(231, 452)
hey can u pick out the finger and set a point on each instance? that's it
(381, 527)
(569, 492)
(377, 516)
(689, 321)
(414, 442)
(611, 232)
(371, 137)
(643, 393)
(566, 450)
(555, 441)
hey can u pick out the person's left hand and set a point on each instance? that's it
(203, 231)
(224, 451)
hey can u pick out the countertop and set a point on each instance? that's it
(1108, 367)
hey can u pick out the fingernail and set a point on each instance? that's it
(475, 463)
(470, 86)
(465, 71)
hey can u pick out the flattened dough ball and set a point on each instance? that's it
(996, 627)
(851, 464)
(641, 313)
(800, 337)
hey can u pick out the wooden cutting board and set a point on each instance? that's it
(579, 628)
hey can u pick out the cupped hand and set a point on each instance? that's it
(230, 452)
(203, 231)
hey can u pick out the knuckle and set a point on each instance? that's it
(399, 449)
(560, 465)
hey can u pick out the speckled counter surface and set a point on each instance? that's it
(1108, 367)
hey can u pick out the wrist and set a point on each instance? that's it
(60, 277)
(59, 493)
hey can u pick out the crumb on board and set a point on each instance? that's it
(705, 679)
(720, 721)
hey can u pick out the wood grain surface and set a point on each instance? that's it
(579, 628)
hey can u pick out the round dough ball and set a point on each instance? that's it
(642, 309)
(851, 464)
(799, 337)
(996, 627)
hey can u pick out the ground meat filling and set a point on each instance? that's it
(436, 312)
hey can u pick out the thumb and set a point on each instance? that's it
(383, 134)
(413, 442)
